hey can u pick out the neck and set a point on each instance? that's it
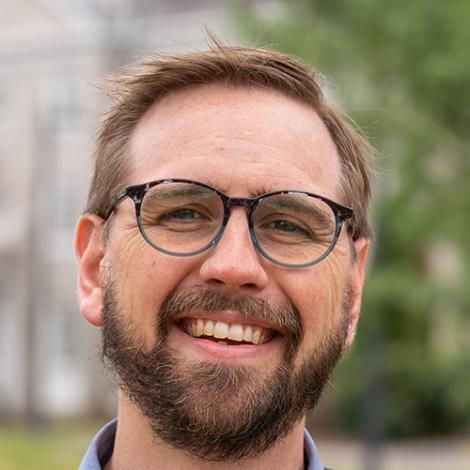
(136, 446)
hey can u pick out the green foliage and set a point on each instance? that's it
(403, 69)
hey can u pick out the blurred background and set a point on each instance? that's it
(401, 397)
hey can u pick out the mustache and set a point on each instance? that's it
(285, 318)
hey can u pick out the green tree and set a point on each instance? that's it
(403, 69)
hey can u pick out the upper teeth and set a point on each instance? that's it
(221, 330)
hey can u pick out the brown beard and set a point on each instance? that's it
(217, 411)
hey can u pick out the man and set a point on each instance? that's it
(222, 253)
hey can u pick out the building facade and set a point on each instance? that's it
(52, 53)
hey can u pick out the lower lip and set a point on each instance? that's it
(214, 350)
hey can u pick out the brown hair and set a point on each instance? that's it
(149, 80)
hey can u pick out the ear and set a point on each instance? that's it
(356, 280)
(89, 252)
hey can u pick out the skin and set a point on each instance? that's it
(244, 141)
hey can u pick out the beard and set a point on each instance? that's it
(216, 411)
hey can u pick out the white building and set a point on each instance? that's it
(52, 51)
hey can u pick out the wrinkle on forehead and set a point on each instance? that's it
(244, 132)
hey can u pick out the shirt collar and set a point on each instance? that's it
(101, 448)
(311, 452)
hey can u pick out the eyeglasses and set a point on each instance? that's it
(181, 217)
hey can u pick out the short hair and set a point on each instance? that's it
(147, 81)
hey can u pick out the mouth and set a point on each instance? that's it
(226, 333)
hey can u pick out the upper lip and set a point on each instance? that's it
(231, 317)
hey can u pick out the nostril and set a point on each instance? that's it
(216, 282)
(221, 273)
(249, 285)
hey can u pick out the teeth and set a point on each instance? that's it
(236, 333)
(191, 329)
(256, 336)
(199, 327)
(209, 328)
(221, 330)
(248, 334)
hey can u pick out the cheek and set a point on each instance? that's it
(319, 301)
(144, 278)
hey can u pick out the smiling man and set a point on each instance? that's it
(222, 253)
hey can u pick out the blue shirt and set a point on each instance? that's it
(101, 449)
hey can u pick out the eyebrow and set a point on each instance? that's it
(183, 190)
(287, 201)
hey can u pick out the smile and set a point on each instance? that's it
(226, 333)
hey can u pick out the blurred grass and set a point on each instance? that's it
(52, 447)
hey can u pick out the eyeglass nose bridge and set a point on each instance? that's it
(247, 203)
(229, 203)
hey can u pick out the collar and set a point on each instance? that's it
(101, 449)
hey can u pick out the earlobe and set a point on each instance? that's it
(356, 284)
(89, 252)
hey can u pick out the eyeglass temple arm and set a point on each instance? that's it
(114, 201)
(345, 213)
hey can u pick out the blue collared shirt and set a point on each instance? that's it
(101, 448)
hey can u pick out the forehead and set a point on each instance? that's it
(243, 141)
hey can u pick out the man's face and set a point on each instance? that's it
(244, 142)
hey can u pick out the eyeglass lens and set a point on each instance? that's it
(184, 218)
(181, 217)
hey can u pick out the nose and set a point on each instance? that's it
(234, 262)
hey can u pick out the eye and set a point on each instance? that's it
(181, 214)
(285, 226)
(288, 227)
